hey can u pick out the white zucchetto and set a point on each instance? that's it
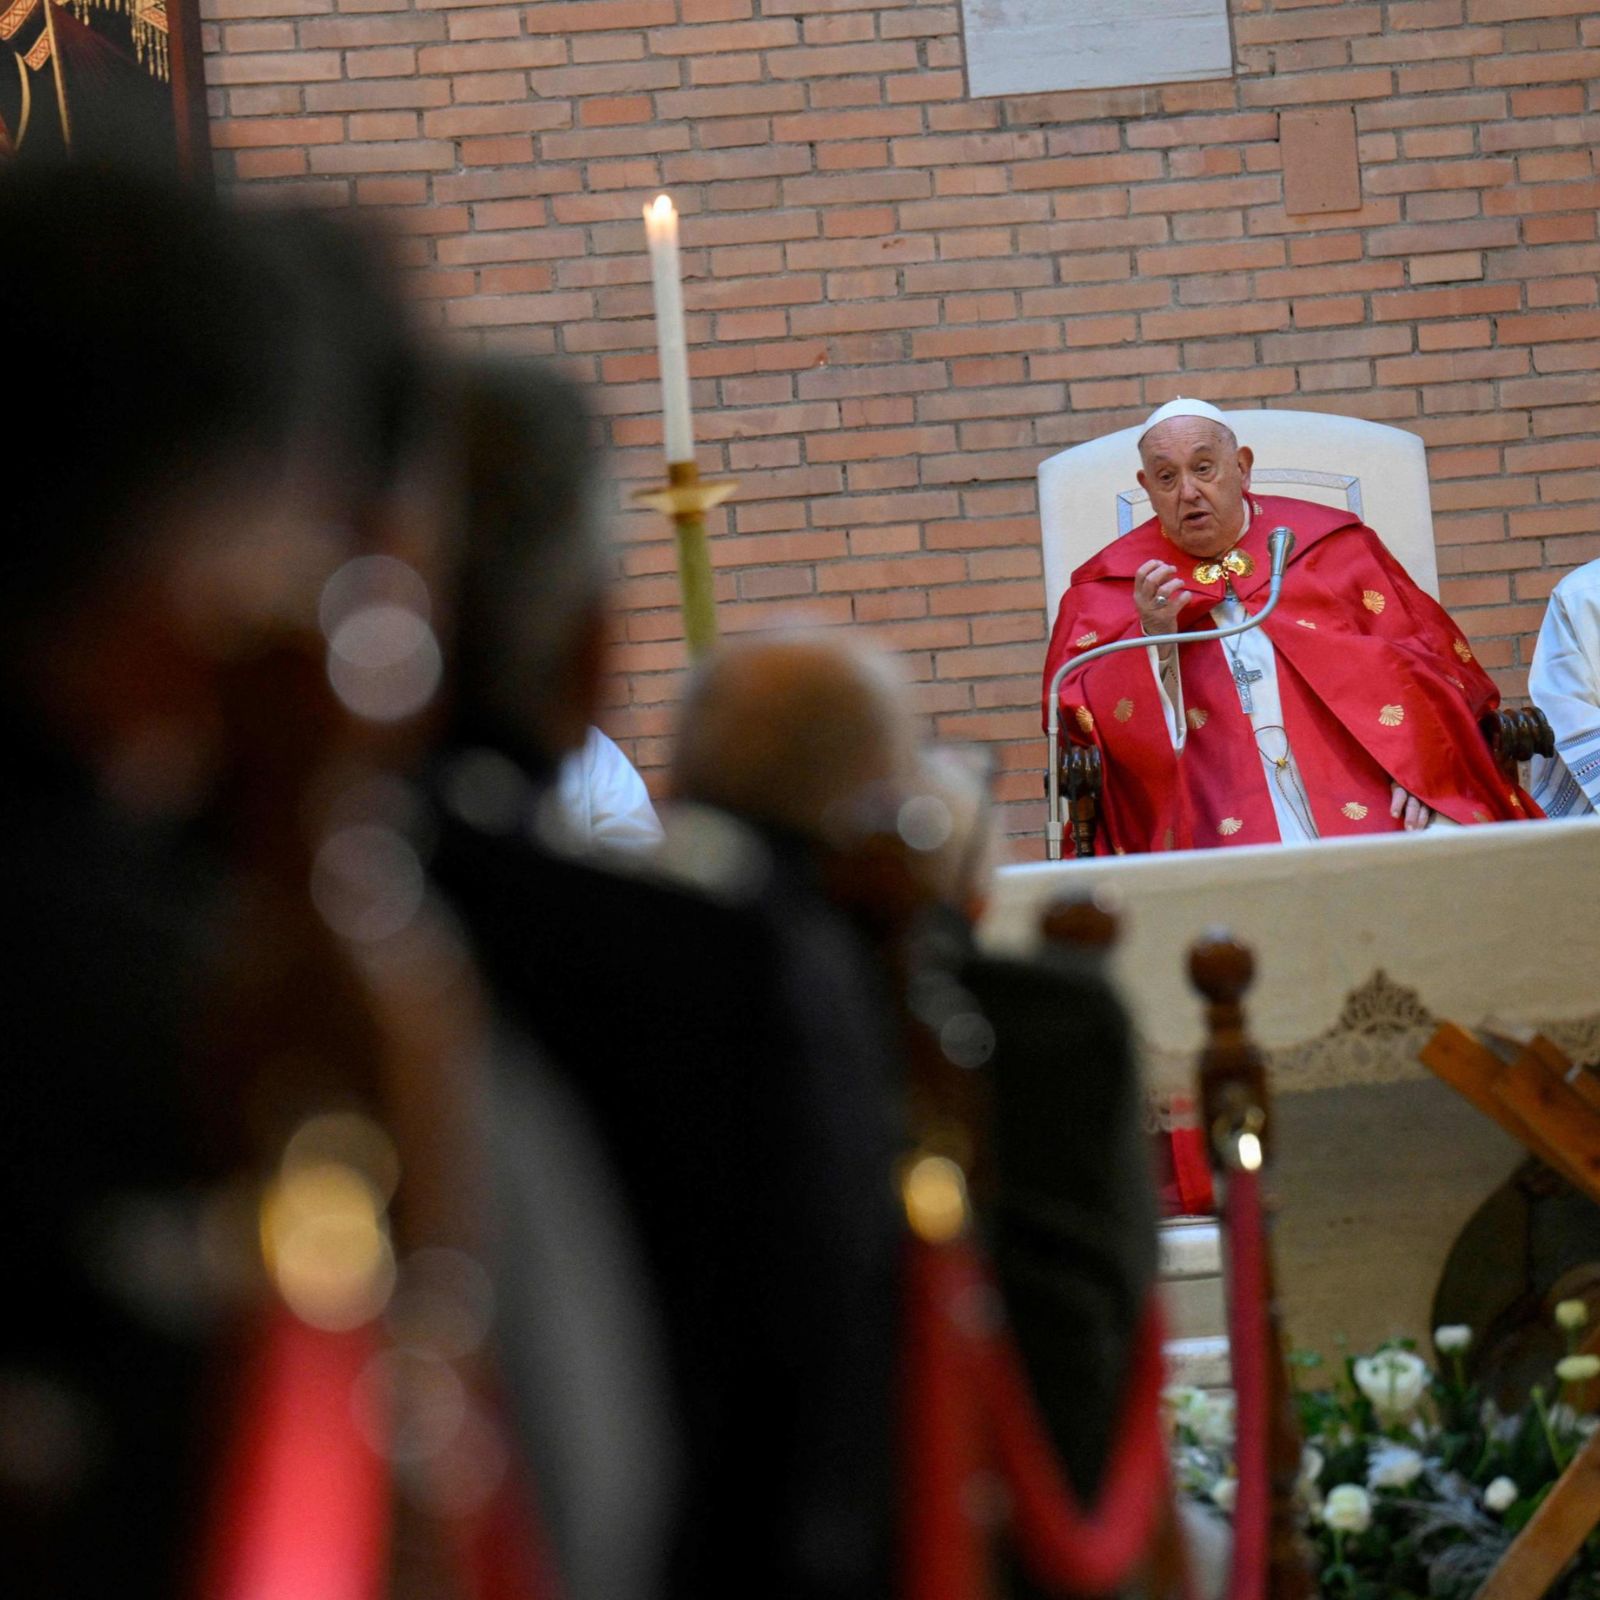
(1181, 407)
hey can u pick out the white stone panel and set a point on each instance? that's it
(1038, 46)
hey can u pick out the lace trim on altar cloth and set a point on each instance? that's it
(1377, 1039)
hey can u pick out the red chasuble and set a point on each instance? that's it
(1375, 680)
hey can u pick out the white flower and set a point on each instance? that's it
(1571, 1315)
(1394, 1381)
(1311, 1465)
(1501, 1495)
(1453, 1336)
(1225, 1494)
(1349, 1509)
(1393, 1466)
(1578, 1369)
(1209, 1417)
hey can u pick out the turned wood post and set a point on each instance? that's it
(1236, 1113)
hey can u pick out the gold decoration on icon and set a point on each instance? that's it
(1374, 600)
(1304, 624)
(1166, 839)
(1122, 710)
(1460, 648)
(1229, 826)
(1084, 640)
(1197, 717)
(1085, 718)
(1392, 716)
(1479, 816)
(1354, 810)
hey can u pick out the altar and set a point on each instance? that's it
(1363, 946)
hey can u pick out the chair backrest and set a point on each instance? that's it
(1088, 495)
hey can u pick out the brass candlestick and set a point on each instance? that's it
(686, 497)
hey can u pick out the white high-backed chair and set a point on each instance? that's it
(1089, 495)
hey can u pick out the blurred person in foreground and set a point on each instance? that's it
(1073, 1219)
(810, 736)
(721, 1037)
(178, 513)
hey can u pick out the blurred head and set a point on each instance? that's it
(957, 841)
(197, 484)
(1197, 476)
(810, 732)
(534, 572)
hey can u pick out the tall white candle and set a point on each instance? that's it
(661, 228)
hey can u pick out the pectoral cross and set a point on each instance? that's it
(1242, 679)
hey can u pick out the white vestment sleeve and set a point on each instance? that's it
(1168, 673)
(1564, 683)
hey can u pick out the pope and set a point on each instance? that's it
(1353, 709)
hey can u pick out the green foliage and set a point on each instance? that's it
(1414, 1453)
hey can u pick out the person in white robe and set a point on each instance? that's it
(1564, 683)
(603, 799)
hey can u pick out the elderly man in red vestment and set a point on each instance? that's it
(1353, 709)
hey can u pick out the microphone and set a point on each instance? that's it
(1280, 545)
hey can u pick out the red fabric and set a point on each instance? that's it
(1375, 680)
(944, 1445)
(303, 1507)
(500, 1552)
(969, 1405)
(1249, 1355)
(1191, 1173)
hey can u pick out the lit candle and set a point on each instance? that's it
(661, 227)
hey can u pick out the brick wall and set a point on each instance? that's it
(901, 299)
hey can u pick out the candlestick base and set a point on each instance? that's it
(686, 497)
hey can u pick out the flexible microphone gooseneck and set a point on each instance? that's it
(1280, 544)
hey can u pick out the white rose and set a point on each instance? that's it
(1209, 1417)
(1578, 1369)
(1393, 1466)
(1213, 1423)
(1349, 1509)
(1225, 1494)
(1179, 1401)
(1453, 1336)
(1571, 1315)
(1394, 1381)
(1501, 1495)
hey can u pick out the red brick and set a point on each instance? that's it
(900, 298)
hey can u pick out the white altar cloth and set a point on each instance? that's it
(1362, 945)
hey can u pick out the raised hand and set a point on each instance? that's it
(1158, 596)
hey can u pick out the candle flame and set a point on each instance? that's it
(661, 207)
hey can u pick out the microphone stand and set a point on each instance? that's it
(1280, 542)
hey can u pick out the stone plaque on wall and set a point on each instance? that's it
(1037, 46)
